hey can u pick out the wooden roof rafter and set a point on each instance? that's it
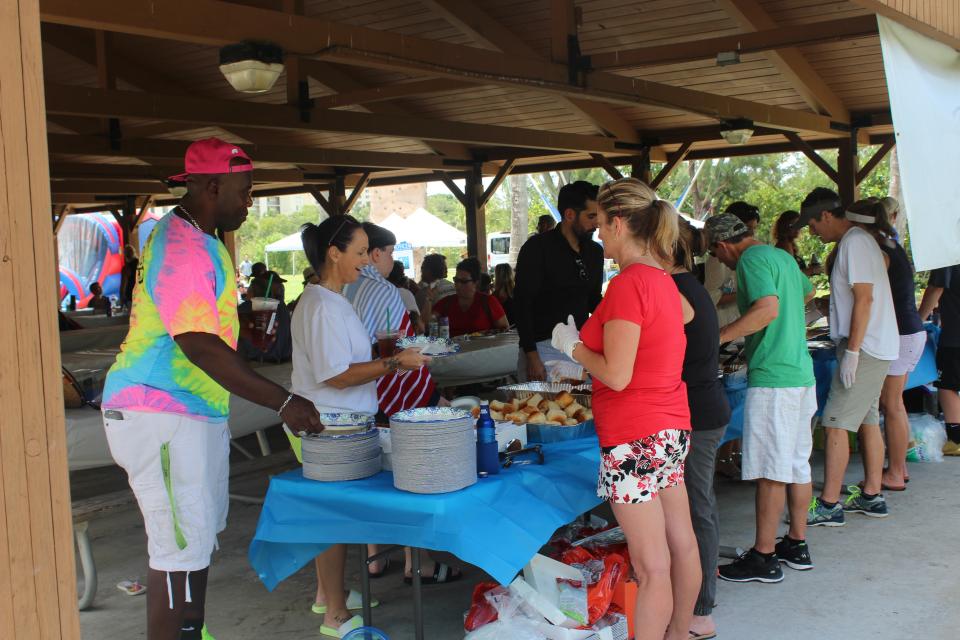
(750, 14)
(379, 49)
(758, 41)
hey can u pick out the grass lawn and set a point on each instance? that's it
(293, 286)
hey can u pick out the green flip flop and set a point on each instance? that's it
(354, 603)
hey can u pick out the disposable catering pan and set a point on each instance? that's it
(549, 390)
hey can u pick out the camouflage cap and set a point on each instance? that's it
(723, 227)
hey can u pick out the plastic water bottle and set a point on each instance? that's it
(434, 329)
(488, 460)
(443, 325)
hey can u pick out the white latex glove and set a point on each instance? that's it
(848, 367)
(566, 337)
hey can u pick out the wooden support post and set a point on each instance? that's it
(338, 194)
(358, 189)
(802, 146)
(674, 160)
(608, 166)
(476, 215)
(847, 170)
(322, 201)
(876, 159)
(38, 588)
(640, 169)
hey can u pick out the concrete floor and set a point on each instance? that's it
(891, 578)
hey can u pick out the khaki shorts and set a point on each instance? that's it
(860, 404)
(179, 469)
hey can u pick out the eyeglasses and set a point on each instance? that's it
(463, 280)
(581, 267)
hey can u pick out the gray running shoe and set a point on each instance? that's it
(819, 515)
(875, 507)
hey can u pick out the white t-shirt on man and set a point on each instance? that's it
(860, 261)
(328, 337)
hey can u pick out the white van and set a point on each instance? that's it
(498, 250)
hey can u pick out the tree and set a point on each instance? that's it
(519, 219)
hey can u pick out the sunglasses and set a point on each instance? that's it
(346, 219)
(463, 280)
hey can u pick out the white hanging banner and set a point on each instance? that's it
(923, 77)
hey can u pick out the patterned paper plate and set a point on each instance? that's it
(431, 414)
(430, 346)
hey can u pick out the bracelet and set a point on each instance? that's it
(284, 405)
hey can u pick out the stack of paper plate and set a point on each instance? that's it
(331, 457)
(434, 450)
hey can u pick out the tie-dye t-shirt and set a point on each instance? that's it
(185, 283)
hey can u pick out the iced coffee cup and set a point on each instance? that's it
(264, 318)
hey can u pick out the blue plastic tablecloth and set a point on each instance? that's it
(497, 524)
(824, 364)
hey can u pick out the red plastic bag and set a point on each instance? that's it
(481, 611)
(600, 593)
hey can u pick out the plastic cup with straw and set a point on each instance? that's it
(387, 339)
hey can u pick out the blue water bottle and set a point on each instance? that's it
(488, 460)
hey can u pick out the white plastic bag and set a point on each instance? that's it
(929, 437)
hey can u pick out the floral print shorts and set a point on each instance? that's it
(638, 471)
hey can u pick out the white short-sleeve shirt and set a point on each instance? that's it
(328, 337)
(860, 261)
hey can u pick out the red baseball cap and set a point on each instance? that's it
(212, 155)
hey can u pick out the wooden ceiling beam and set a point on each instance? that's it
(381, 49)
(108, 187)
(134, 172)
(608, 166)
(802, 146)
(72, 100)
(473, 21)
(874, 160)
(173, 150)
(780, 37)
(888, 9)
(390, 92)
(750, 14)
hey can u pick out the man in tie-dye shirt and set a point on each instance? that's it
(166, 399)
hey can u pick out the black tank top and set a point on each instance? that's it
(709, 408)
(900, 273)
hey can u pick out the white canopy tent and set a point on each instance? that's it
(423, 229)
(287, 244)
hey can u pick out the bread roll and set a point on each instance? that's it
(588, 415)
(572, 408)
(570, 422)
(564, 399)
(529, 410)
(557, 416)
(553, 406)
(496, 415)
(534, 400)
(553, 423)
(537, 418)
(544, 406)
(516, 418)
(496, 405)
(581, 415)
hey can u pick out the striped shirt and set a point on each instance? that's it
(376, 300)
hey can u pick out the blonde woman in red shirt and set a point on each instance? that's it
(633, 346)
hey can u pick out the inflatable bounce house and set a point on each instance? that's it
(91, 250)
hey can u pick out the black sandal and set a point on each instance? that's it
(442, 574)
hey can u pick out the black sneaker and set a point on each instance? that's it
(795, 555)
(752, 566)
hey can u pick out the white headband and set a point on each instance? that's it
(859, 217)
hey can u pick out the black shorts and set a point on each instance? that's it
(948, 366)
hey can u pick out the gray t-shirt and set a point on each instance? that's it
(860, 261)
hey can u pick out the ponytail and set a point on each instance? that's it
(335, 231)
(651, 221)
